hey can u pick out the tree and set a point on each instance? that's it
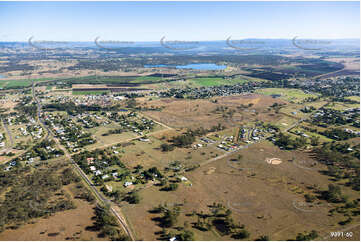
(315, 140)
(131, 103)
(186, 236)
(170, 187)
(242, 234)
(133, 198)
(166, 147)
(311, 236)
(169, 218)
(333, 194)
(263, 238)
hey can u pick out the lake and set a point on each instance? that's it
(1, 76)
(198, 66)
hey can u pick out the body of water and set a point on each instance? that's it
(202, 66)
(1, 76)
(198, 66)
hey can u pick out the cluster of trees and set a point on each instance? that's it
(30, 109)
(184, 140)
(107, 224)
(72, 109)
(307, 109)
(188, 138)
(285, 141)
(40, 150)
(334, 194)
(152, 173)
(99, 156)
(334, 117)
(221, 218)
(307, 236)
(29, 196)
(133, 198)
(342, 163)
(338, 134)
(170, 187)
(83, 193)
(168, 220)
(114, 131)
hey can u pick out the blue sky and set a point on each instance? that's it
(149, 21)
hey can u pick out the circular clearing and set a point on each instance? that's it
(273, 161)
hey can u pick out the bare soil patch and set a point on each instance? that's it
(207, 113)
(273, 161)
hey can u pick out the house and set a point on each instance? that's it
(92, 168)
(126, 184)
(109, 188)
(97, 173)
(144, 139)
(90, 160)
(183, 178)
(105, 176)
(172, 239)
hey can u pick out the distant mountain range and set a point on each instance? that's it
(230, 45)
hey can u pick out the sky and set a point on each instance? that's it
(183, 21)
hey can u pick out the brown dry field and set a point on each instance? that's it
(349, 63)
(266, 202)
(47, 67)
(198, 113)
(148, 154)
(70, 223)
(7, 103)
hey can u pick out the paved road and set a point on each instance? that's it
(10, 137)
(98, 194)
(39, 112)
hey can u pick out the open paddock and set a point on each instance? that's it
(205, 113)
(259, 196)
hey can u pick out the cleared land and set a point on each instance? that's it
(288, 94)
(195, 113)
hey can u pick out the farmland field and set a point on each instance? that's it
(90, 92)
(218, 81)
(288, 94)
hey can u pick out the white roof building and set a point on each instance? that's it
(126, 184)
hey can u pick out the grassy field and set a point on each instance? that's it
(354, 98)
(14, 83)
(149, 79)
(20, 83)
(218, 81)
(90, 92)
(288, 94)
(196, 113)
(341, 106)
